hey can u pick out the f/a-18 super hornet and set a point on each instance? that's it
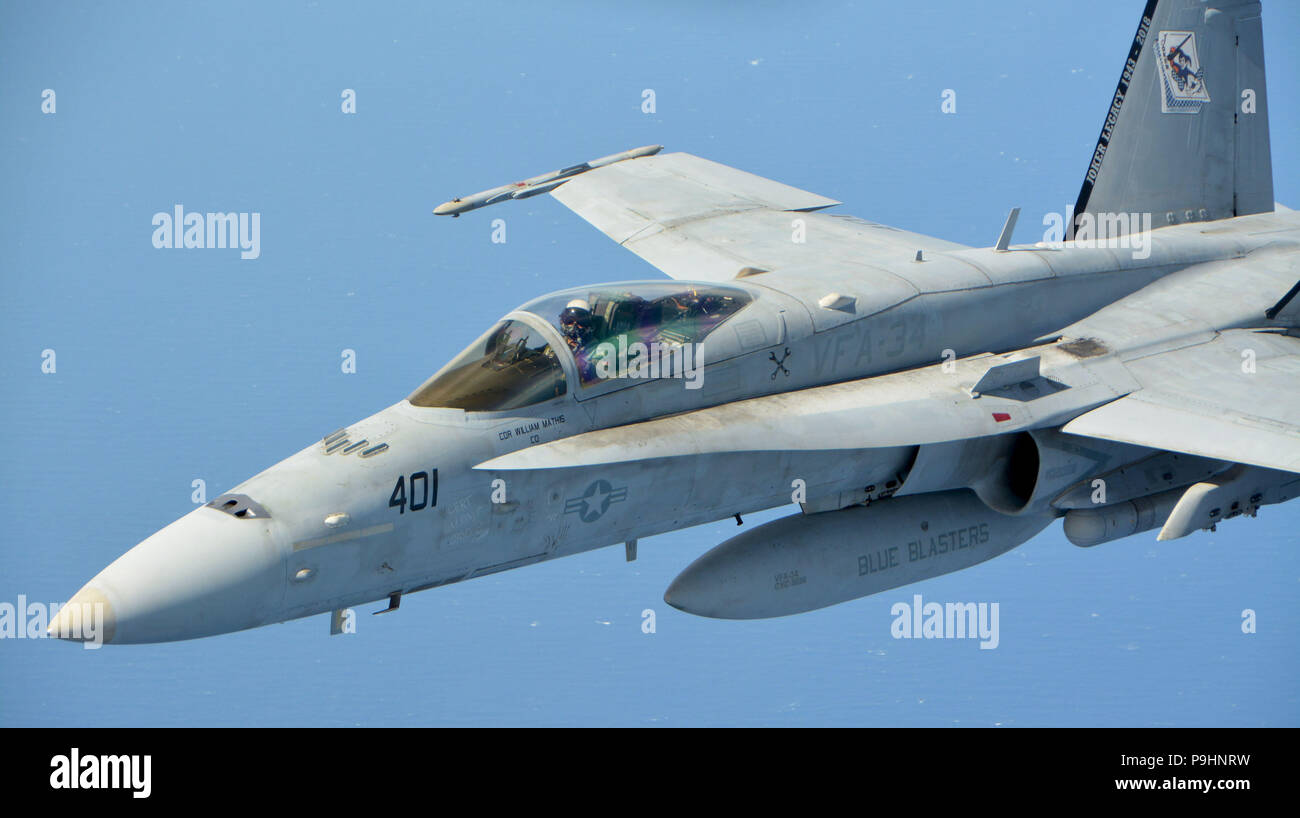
(927, 405)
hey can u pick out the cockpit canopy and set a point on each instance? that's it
(511, 366)
(514, 365)
(594, 320)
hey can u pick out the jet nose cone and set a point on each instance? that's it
(205, 574)
(88, 617)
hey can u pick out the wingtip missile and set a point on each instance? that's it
(536, 185)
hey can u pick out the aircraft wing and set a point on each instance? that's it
(1234, 398)
(699, 220)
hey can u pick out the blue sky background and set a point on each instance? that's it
(175, 365)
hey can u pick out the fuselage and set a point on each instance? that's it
(398, 502)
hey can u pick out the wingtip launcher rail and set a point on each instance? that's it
(537, 185)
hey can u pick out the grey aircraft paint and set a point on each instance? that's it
(907, 392)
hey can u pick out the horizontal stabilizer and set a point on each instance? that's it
(1236, 398)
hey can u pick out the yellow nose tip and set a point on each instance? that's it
(88, 617)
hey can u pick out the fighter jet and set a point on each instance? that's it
(925, 405)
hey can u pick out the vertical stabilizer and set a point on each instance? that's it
(1186, 135)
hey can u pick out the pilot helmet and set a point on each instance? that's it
(576, 321)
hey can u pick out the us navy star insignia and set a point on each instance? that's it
(595, 501)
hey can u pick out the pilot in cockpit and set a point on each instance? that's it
(576, 323)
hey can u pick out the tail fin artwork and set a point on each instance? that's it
(1186, 136)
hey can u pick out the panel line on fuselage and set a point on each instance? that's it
(303, 545)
